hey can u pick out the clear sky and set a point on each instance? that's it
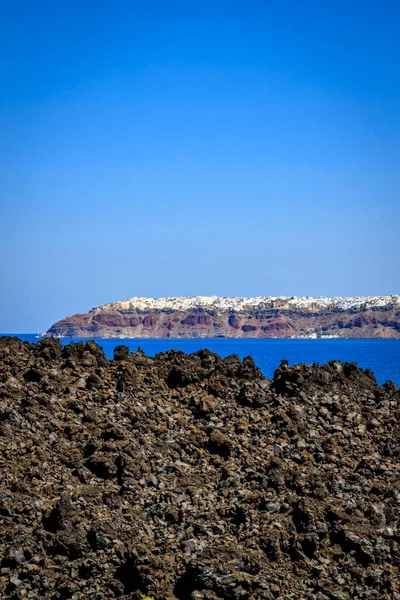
(181, 148)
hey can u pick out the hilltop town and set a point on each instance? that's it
(220, 316)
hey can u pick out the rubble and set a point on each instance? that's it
(184, 477)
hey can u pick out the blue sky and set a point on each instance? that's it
(183, 148)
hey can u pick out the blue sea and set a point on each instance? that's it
(382, 356)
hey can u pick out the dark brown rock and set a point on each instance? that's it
(185, 477)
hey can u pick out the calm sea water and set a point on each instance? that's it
(382, 356)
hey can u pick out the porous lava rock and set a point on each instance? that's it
(190, 477)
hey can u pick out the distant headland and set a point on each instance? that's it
(222, 317)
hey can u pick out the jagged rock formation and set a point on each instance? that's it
(261, 317)
(192, 477)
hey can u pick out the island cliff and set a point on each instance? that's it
(260, 317)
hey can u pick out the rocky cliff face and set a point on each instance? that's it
(192, 477)
(207, 317)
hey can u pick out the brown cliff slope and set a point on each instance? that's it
(370, 317)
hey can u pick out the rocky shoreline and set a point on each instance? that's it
(191, 477)
(214, 316)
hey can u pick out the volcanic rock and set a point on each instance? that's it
(185, 477)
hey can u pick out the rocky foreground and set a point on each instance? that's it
(216, 316)
(188, 477)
